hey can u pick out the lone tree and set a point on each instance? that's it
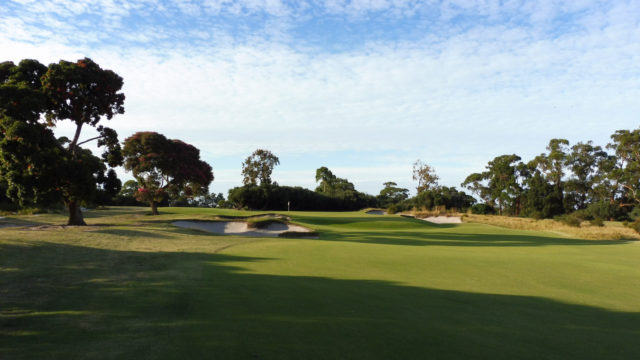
(257, 168)
(164, 166)
(425, 175)
(39, 167)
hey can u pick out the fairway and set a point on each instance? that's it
(130, 285)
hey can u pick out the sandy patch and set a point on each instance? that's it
(376, 212)
(443, 219)
(240, 228)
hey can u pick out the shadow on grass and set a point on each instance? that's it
(131, 233)
(66, 302)
(414, 238)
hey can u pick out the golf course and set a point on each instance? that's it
(130, 285)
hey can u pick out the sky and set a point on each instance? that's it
(363, 87)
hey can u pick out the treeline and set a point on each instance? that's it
(572, 182)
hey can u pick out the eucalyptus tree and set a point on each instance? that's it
(499, 185)
(425, 175)
(626, 171)
(583, 162)
(257, 168)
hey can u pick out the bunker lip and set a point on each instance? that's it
(241, 228)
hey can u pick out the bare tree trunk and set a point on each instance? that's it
(75, 214)
(154, 208)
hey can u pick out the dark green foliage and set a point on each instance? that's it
(391, 194)
(276, 197)
(165, 167)
(257, 168)
(37, 167)
(482, 209)
(541, 200)
(606, 210)
(569, 219)
(449, 197)
(498, 186)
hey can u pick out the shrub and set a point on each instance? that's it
(482, 209)
(392, 209)
(597, 222)
(569, 219)
(635, 226)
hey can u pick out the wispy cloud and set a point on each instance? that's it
(456, 95)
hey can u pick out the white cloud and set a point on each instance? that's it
(454, 100)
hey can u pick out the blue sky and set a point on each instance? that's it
(364, 87)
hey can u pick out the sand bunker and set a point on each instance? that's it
(274, 229)
(376, 212)
(443, 219)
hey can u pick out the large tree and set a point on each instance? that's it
(162, 166)
(257, 168)
(625, 172)
(498, 185)
(38, 166)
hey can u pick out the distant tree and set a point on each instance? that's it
(257, 168)
(626, 172)
(583, 162)
(38, 167)
(162, 166)
(425, 175)
(391, 194)
(499, 184)
(109, 187)
(552, 165)
(326, 178)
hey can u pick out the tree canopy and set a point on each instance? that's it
(163, 166)
(37, 166)
(257, 168)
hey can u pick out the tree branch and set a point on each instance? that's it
(86, 141)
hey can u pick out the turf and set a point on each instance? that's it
(133, 286)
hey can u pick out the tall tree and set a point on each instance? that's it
(626, 172)
(326, 178)
(583, 163)
(425, 175)
(81, 92)
(499, 184)
(553, 164)
(162, 166)
(257, 168)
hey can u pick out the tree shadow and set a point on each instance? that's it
(62, 301)
(439, 238)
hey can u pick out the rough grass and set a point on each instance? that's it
(131, 285)
(610, 230)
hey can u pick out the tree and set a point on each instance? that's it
(162, 166)
(425, 175)
(257, 168)
(39, 167)
(583, 162)
(626, 172)
(499, 184)
(326, 178)
(552, 165)
(391, 194)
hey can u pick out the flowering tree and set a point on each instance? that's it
(162, 166)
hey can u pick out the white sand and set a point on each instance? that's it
(239, 228)
(443, 219)
(376, 212)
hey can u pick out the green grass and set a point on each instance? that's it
(131, 285)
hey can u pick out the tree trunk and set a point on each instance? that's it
(154, 208)
(75, 215)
